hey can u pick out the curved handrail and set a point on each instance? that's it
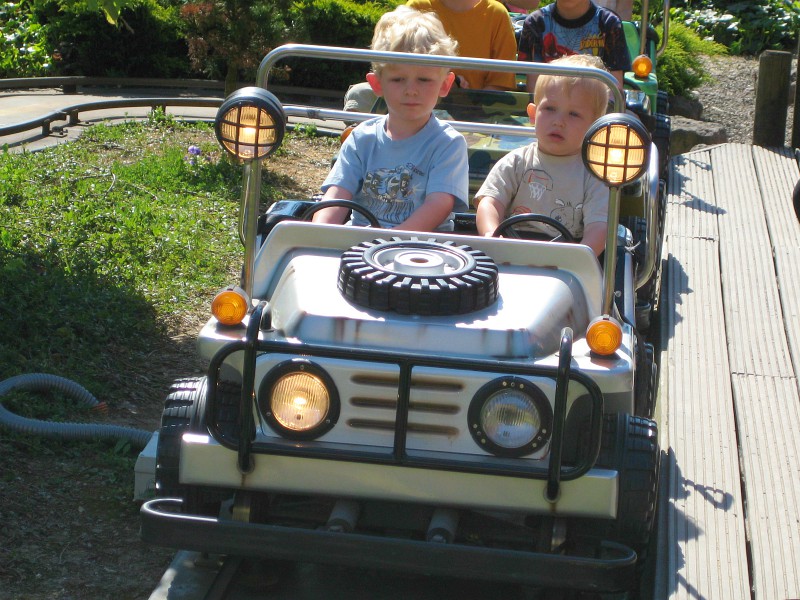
(70, 113)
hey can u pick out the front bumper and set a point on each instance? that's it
(613, 570)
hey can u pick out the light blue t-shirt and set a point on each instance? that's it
(392, 178)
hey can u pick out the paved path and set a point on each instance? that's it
(19, 106)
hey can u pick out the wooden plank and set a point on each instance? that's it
(766, 397)
(753, 316)
(768, 412)
(702, 549)
(778, 172)
(731, 391)
(691, 187)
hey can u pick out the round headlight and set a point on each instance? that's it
(510, 417)
(616, 149)
(250, 124)
(298, 400)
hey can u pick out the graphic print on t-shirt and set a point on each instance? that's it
(567, 214)
(389, 185)
(538, 182)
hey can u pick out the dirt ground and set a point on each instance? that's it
(69, 525)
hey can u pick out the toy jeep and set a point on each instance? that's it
(437, 403)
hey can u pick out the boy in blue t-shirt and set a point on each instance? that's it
(574, 27)
(407, 168)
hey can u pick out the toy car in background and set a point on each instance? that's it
(437, 403)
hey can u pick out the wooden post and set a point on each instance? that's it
(769, 124)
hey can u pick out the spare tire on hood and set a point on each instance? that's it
(418, 277)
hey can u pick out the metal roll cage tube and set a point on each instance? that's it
(649, 266)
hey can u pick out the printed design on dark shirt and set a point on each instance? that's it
(589, 44)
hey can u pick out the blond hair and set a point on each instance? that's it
(406, 29)
(596, 88)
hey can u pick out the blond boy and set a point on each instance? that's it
(548, 176)
(407, 168)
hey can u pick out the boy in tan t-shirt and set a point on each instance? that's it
(548, 177)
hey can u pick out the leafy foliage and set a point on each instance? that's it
(228, 38)
(680, 69)
(25, 51)
(112, 9)
(149, 42)
(335, 23)
(744, 27)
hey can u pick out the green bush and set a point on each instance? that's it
(147, 42)
(227, 39)
(25, 51)
(680, 69)
(335, 23)
(743, 27)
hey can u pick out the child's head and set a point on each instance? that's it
(406, 29)
(411, 91)
(564, 106)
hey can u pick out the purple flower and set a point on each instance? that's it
(194, 150)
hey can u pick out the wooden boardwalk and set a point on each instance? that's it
(729, 519)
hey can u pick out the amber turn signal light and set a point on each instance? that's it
(642, 66)
(230, 306)
(604, 335)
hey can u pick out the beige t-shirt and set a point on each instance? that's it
(528, 181)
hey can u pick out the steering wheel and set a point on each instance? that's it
(323, 204)
(508, 224)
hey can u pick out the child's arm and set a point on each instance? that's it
(335, 214)
(436, 208)
(594, 236)
(489, 215)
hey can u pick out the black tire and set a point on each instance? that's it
(418, 277)
(648, 293)
(796, 199)
(630, 446)
(661, 138)
(185, 412)
(646, 381)
(662, 102)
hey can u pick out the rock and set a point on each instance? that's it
(688, 133)
(690, 108)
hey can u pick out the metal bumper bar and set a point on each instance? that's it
(612, 571)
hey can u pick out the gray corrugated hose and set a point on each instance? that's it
(138, 438)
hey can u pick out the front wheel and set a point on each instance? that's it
(630, 447)
(185, 412)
